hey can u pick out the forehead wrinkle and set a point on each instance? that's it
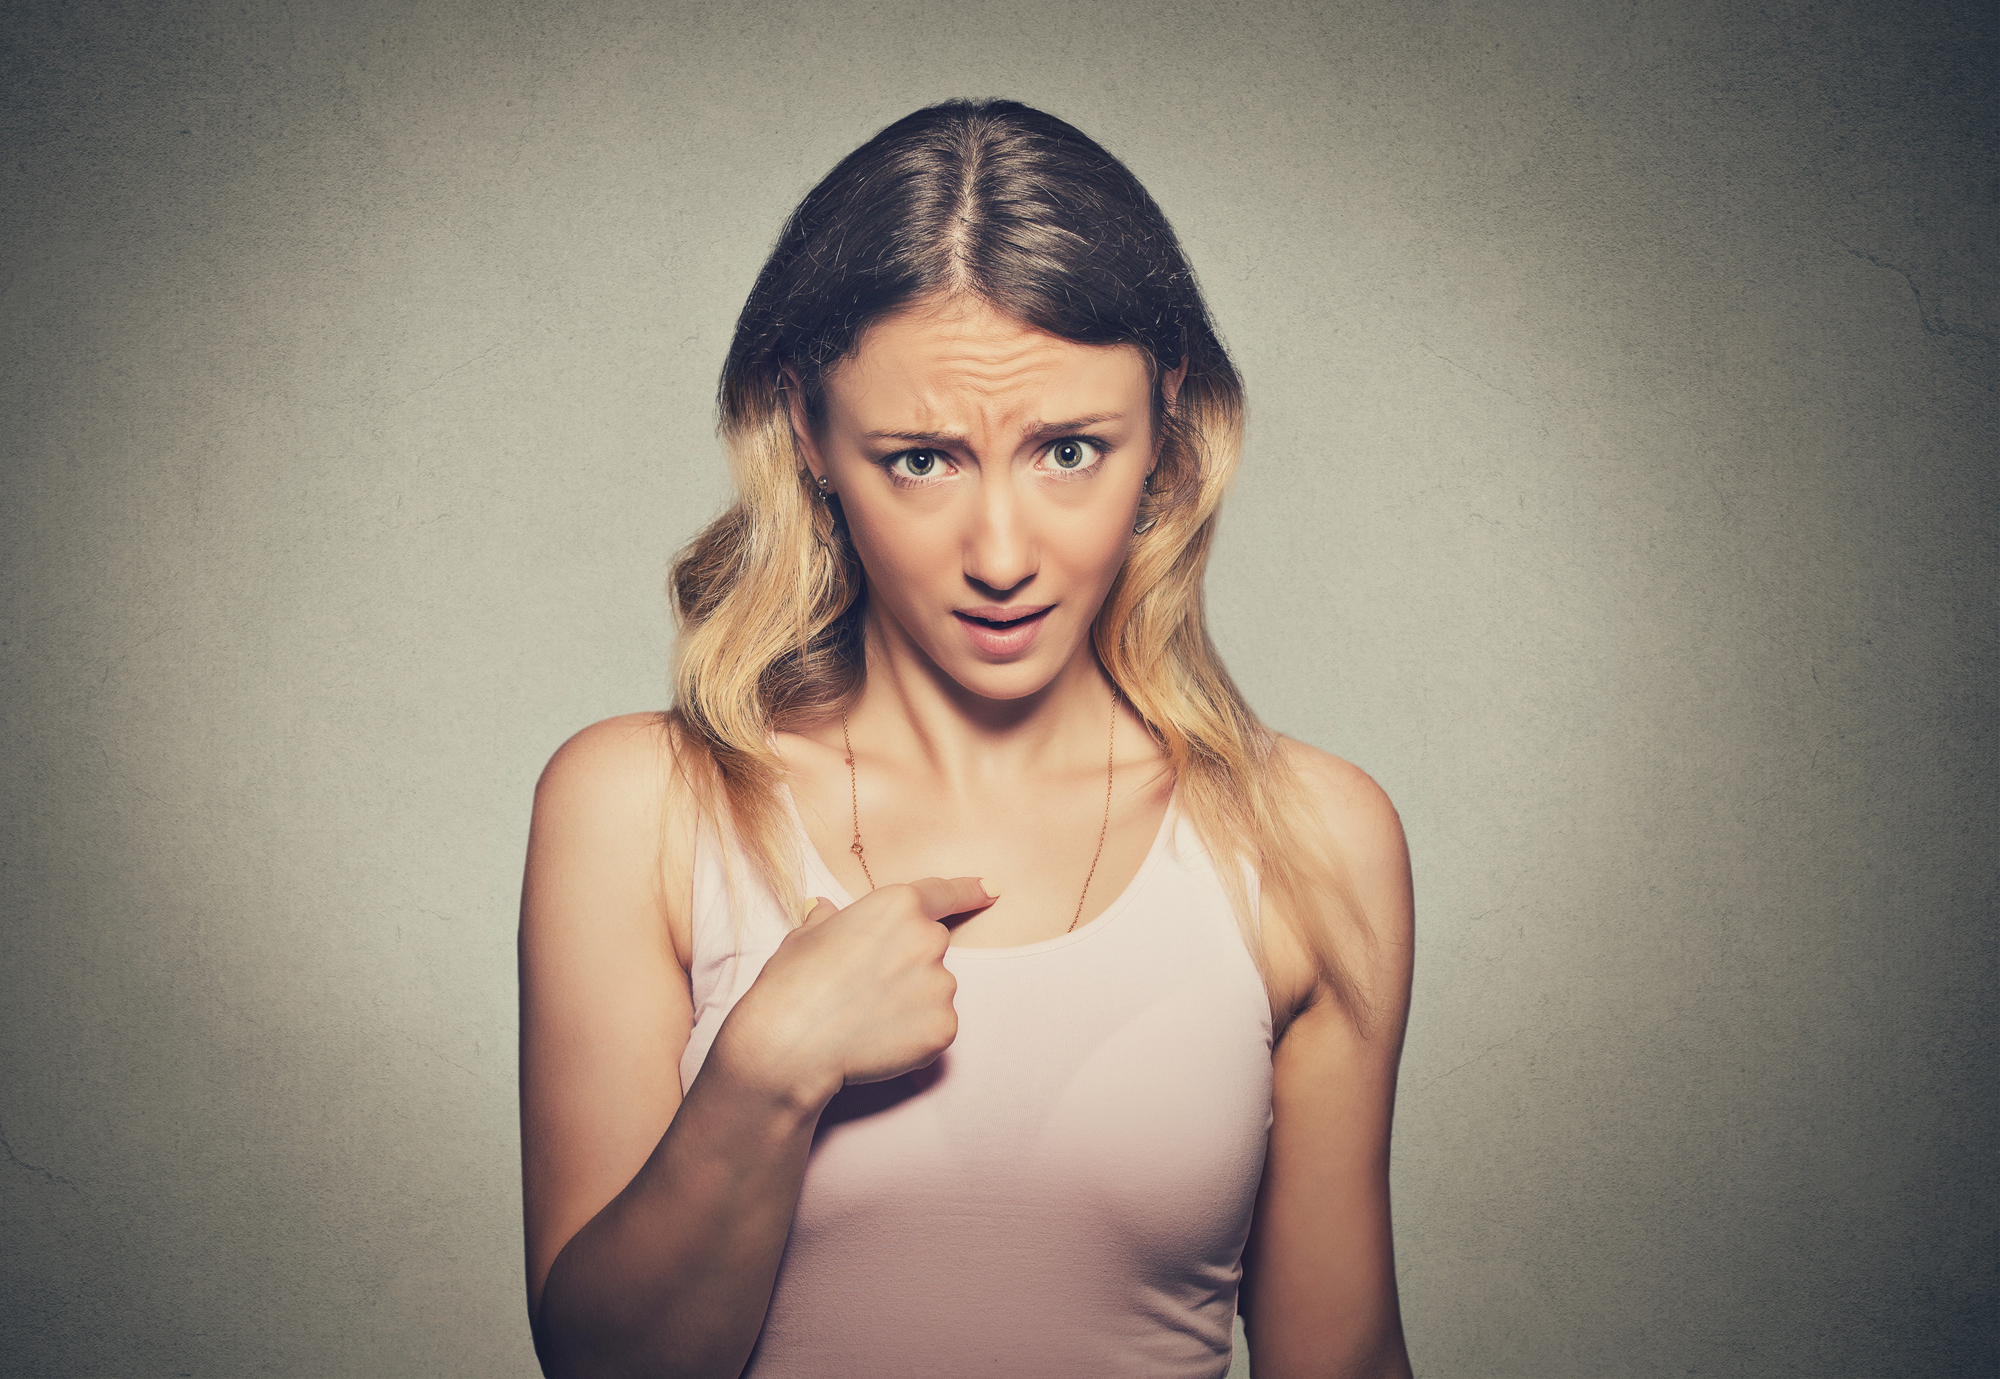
(935, 377)
(969, 409)
(989, 378)
(1041, 429)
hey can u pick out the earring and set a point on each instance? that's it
(824, 489)
(1145, 524)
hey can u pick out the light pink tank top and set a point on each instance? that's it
(1066, 1191)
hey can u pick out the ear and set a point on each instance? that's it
(1170, 390)
(795, 398)
(1170, 383)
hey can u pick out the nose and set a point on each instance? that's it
(1000, 550)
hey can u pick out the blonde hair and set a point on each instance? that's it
(770, 596)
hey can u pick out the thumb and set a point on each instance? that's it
(822, 910)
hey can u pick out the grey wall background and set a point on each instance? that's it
(1619, 492)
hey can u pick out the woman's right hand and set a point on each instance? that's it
(853, 995)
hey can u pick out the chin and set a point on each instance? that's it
(1002, 681)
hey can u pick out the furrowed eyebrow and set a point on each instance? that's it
(917, 437)
(1048, 431)
(1042, 431)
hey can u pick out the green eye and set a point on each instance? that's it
(918, 464)
(1073, 454)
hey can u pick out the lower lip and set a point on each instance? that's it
(1010, 640)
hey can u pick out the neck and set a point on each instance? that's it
(910, 709)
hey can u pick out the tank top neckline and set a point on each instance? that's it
(816, 865)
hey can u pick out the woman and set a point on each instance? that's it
(960, 979)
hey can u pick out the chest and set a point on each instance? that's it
(1087, 1151)
(1055, 857)
(1071, 1092)
(1080, 1054)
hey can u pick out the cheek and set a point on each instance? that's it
(898, 554)
(1092, 549)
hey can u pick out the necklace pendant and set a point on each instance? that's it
(855, 846)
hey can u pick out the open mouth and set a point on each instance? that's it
(1001, 621)
(998, 631)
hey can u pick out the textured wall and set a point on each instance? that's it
(1619, 491)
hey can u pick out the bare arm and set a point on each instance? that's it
(655, 1224)
(1319, 1295)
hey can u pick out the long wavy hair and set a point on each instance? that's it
(1013, 206)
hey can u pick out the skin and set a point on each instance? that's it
(980, 464)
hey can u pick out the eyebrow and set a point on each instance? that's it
(1042, 431)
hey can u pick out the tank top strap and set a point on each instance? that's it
(1194, 854)
(736, 924)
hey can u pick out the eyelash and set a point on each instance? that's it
(889, 462)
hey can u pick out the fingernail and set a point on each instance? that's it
(992, 891)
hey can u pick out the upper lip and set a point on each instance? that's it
(1004, 612)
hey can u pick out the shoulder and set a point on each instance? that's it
(632, 770)
(1356, 821)
(1349, 820)
(631, 751)
(613, 814)
(1338, 781)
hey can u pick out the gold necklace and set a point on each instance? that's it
(1103, 830)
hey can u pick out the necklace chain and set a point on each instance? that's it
(1103, 830)
(854, 799)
